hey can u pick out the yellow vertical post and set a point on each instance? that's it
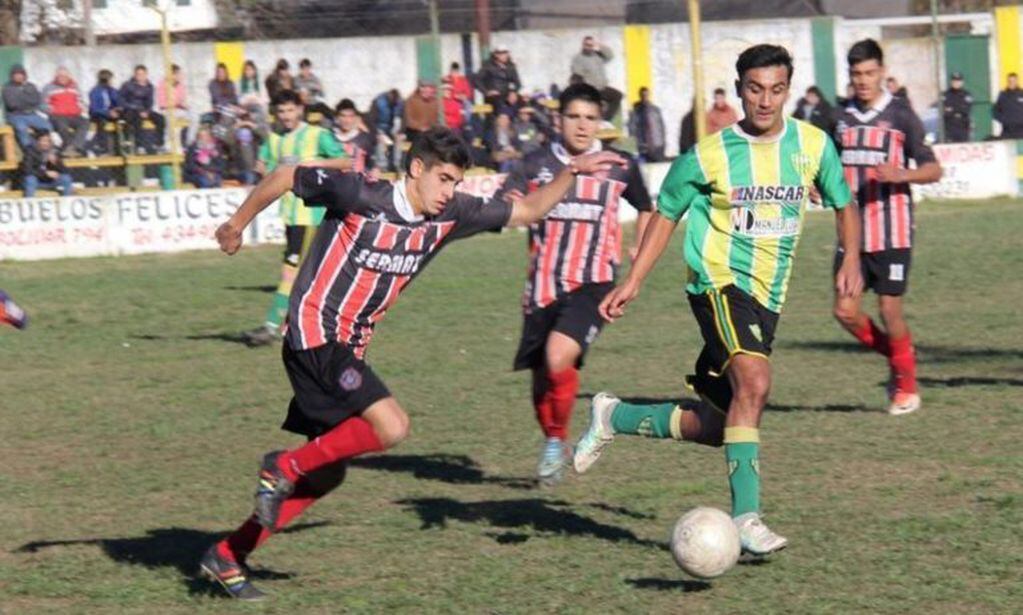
(699, 115)
(172, 120)
(1007, 30)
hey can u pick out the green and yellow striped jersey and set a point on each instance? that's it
(746, 198)
(304, 143)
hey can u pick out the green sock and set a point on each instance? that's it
(652, 421)
(278, 310)
(742, 452)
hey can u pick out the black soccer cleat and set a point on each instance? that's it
(273, 489)
(230, 575)
(261, 336)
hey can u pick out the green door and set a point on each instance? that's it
(968, 55)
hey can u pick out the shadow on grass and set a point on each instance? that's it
(234, 338)
(454, 469)
(173, 547)
(551, 517)
(926, 353)
(683, 585)
(782, 407)
(260, 288)
(968, 381)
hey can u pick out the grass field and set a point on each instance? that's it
(133, 421)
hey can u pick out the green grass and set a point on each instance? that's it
(132, 425)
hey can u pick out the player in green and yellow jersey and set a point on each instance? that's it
(298, 143)
(745, 189)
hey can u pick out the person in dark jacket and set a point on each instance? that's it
(136, 98)
(1008, 109)
(646, 125)
(814, 108)
(204, 164)
(498, 76)
(956, 105)
(43, 167)
(21, 104)
(104, 110)
(222, 90)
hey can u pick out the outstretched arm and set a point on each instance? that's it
(281, 180)
(656, 237)
(535, 205)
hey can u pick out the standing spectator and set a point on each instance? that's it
(385, 113)
(646, 125)
(222, 90)
(459, 83)
(589, 65)
(249, 89)
(720, 114)
(454, 112)
(687, 130)
(136, 97)
(895, 88)
(43, 167)
(357, 142)
(279, 80)
(497, 77)
(104, 110)
(308, 82)
(813, 108)
(1008, 109)
(421, 110)
(204, 164)
(178, 102)
(21, 104)
(62, 101)
(957, 103)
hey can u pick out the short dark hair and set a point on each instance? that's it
(141, 67)
(578, 91)
(456, 66)
(720, 91)
(1012, 75)
(643, 89)
(286, 96)
(175, 68)
(345, 104)
(864, 50)
(104, 75)
(438, 145)
(305, 62)
(760, 56)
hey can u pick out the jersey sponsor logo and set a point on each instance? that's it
(576, 211)
(745, 221)
(350, 379)
(744, 196)
(385, 262)
(863, 158)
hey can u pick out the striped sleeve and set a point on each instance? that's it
(830, 180)
(684, 183)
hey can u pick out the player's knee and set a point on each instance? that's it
(754, 388)
(845, 314)
(394, 430)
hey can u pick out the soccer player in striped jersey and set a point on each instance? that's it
(300, 142)
(878, 134)
(375, 238)
(745, 189)
(574, 253)
(11, 313)
(357, 143)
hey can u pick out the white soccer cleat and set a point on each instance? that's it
(553, 459)
(755, 537)
(904, 403)
(599, 434)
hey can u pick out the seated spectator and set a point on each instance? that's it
(242, 130)
(136, 98)
(104, 110)
(316, 112)
(308, 82)
(357, 142)
(21, 104)
(511, 103)
(421, 110)
(249, 89)
(204, 164)
(459, 83)
(503, 144)
(222, 91)
(179, 103)
(62, 101)
(385, 113)
(279, 80)
(43, 167)
(528, 134)
(454, 111)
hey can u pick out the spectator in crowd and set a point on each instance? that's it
(178, 102)
(421, 110)
(136, 98)
(460, 85)
(385, 115)
(497, 77)
(895, 88)
(956, 103)
(721, 113)
(204, 164)
(43, 167)
(279, 80)
(317, 112)
(222, 90)
(242, 130)
(249, 89)
(511, 104)
(646, 125)
(104, 110)
(529, 137)
(589, 65)
(62, 101)
(21, 105)
(308, 82)
(849, 98)
(687, 131)
(1008, 109)
(356, 141)
(454, 111)
(503, 144)
(814, 108)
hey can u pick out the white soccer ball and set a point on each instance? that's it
(705, 543)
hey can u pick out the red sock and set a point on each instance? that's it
(903, 363)
(544, 410)
(562, 389)
(349, 438)
(871, 336)
(251, 534)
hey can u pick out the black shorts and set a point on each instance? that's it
(576, 315)
(297, 240)
(885, 272)
(330, 384)
(731, 322)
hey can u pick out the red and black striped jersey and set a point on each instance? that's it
(359, 147)
(887, 132)
(368, 248)
(579, 242)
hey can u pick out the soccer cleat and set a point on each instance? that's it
(273, 489)
(230, 575)
(755, 537)
(551, 469)
(904, 403)
(261, 336)
(598, 435)
(11, 313)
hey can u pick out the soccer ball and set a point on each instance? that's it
(705, 543)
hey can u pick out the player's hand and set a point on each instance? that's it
(598, 163)
(849, 279)
(633, 253)
(815, 195)
(514, 195)
(613, 305)
(888, 173)
(229, 237)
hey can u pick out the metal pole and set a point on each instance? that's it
(169, 100)
(435, 36)
(936, 43)
(90, 33)
(699, 115)
(483, 28)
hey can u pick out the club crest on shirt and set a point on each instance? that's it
(804, 165)
(544, 175)
(350, 379)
